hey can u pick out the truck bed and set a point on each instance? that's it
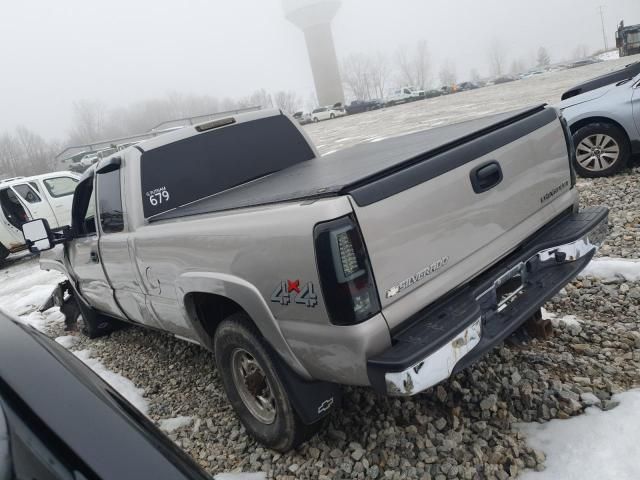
(373, 171)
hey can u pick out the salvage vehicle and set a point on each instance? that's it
(629, 71)
(22, 199)
(327, 113)
(605, 124)
(360, 106)
(392, 264)
(59, 420)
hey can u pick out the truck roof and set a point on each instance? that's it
(349, 169)
(18, 180)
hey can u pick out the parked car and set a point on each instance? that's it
(302, 118)
(433, 93)
(327, 113)
(605, 124)
(89, 159)
(59, 420)
(22, 199)
(403, 95)
(629, 71)
(504, 79)
(464, 86)
(359, 106)
(303, 274)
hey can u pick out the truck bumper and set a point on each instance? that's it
(456, 331)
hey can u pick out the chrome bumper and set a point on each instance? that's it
(440, 365)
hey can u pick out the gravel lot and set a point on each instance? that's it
(464, 428)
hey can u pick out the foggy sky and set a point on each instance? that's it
(122, 51)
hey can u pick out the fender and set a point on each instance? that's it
(249, 298)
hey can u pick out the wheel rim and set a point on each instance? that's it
(597, 152)
(253, 386)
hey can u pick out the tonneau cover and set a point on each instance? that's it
(353, 167)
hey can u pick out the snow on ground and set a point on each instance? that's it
(592, 446)
(566, 320)
(610, 55)
(614, 268)
(171, 424)
(241, 476)
(67, 341)
(122, 385)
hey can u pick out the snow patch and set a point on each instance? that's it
(67, 341)
(592, 446)
(566, 321)
(171, 424)
(610, 55)
(122, 385)
(241, 476)
(609, 269)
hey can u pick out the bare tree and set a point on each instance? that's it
(448, 76)
(287, 101)
(474, 75)
(414, 67)
(261, 98)
(517, 66)
(580, 52)
(88, 121)
(380, 73)
(543, 59)
(497, 58)
(10, 156)
(357, 76)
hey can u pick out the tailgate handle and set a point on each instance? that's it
(486, 176)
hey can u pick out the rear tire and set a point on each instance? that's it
(315, 120)
(332, 116)
(246, 366)
(602, 149)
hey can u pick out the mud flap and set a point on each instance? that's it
(313, 400)
(72, 306)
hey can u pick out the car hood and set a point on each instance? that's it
(585, 97)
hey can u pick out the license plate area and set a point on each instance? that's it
(509, 286)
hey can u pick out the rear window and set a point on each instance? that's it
(60, 186)
(188, 170)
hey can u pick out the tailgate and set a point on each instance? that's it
(442, 219)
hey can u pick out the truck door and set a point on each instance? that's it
(59, 191)
(13, 217)
(83, 253)
(37, 206)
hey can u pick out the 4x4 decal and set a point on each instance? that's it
(290, 291)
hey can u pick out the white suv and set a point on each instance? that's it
(326, 113)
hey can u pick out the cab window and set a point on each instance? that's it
(60, 186)
(83, 212)
(27, 193)
(110, 202)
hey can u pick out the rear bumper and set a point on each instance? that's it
(455, 332)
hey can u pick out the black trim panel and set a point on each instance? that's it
(437, 162)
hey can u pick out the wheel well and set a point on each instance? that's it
(209, 310)
(587, 121)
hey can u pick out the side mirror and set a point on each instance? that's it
(38, 235)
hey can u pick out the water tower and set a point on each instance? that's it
(314, 17)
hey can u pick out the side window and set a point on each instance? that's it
(83, 212)
(27, 193)
(35, 186)
(60, 186)
(110, 202)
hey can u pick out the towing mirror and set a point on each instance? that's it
(38, 236)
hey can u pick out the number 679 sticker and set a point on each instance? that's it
(158, 196)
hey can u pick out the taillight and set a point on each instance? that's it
(570, 148)
(345, 273)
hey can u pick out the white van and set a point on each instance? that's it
(22, 199)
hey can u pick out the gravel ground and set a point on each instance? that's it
(464, 428)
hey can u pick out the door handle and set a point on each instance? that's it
(486, 176)
(94, 256)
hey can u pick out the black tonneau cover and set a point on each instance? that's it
(372, 171)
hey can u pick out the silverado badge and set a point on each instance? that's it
(417, 277)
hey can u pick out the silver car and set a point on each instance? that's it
(605, 124)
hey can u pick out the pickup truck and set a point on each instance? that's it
(392, 264)
(22, 199)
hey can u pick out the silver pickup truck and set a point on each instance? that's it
(392, 264)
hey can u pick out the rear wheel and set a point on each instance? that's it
(332, 116)
(602, 149)
(246, 367)
(315, 120)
